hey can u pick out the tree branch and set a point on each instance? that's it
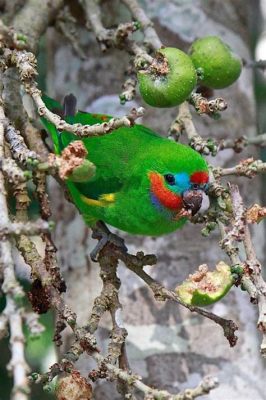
(32, 20)
(184, 122)
(13, 292)
(151, 39)
(204, 387)
(248, 168)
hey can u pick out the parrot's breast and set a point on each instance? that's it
(138, 211)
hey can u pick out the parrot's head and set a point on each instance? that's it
(177, 180)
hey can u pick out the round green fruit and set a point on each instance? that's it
(205, 287)
(219, 67)
(169, 80)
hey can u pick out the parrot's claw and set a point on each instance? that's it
(102, 233)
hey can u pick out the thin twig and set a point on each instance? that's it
(22, 228)
(17, 365)
(67, 25)
(205, 106)
(17, 144)
(204, 387)
(184, 122)
(150, 35)
(119, 37)
(248, 168)
(260, 64)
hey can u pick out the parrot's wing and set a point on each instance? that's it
(86, 118)
(104, 200)
(99, 191)
(53, 105)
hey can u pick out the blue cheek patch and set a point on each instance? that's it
(167, 213)
(182, 182)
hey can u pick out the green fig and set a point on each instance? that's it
(215, 61)
(169, 80)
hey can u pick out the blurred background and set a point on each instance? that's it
(167, 345)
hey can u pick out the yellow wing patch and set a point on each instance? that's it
(104, 200)
(108, 198)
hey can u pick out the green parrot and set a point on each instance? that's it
(142, 182)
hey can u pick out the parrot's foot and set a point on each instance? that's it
(102, 233)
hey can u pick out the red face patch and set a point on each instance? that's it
(199, 177)
(167, 198)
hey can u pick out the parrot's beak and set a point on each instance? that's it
(192, 200)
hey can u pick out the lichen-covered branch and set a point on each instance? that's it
(22, 228)
(26, 64)
(240, 143)
(108, 37)
(252, 267)
(17, 145)
(150, 35)
(17, 365)
(12, 171)
(248, 168)
(205, 106)
(184, 122)
(129, 89)
(13, 291)
(32, 20)
(67, 25)
(207, 384)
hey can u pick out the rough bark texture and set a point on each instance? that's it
(166, 345)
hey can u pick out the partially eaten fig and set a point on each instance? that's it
(205, 287)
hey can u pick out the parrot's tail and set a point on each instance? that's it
(67, 110)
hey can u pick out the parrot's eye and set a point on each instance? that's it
(170, 179)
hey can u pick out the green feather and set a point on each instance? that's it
(54, 106)
(123, 160)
